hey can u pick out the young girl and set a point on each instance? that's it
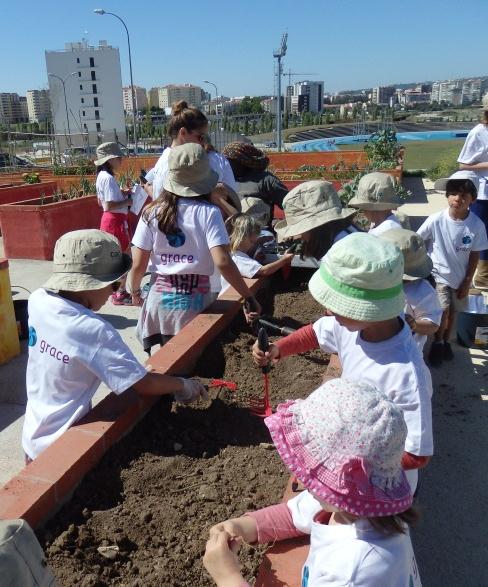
(244, 233)
(360, 284)
(183, 235)
(344, 443)
(72, 350)
(376, 198)
(115, 203)
(423, 311)
(314, 214)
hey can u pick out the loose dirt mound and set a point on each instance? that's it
(181, 470)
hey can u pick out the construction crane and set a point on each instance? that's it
(278, 54)
(291, 74)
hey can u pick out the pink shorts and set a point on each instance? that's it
(115, 224)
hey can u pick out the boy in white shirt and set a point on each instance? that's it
(454, 238)
(72, 349)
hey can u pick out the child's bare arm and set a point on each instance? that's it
(483, 165)
(463, 289)
(275, 266)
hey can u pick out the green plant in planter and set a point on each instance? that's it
(87, 186)
(128, 177)
(31, 178)
(383, 149)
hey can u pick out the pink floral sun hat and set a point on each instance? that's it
(345, 444)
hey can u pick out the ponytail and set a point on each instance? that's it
(185, 117)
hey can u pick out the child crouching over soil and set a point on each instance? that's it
(344, 443)
(244, 231)
(360, 284)
(72, 350)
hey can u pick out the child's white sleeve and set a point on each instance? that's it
(473, 151)
(111, 191)
(480, 242)
(144, 235)
(304, 507)
(324, 329)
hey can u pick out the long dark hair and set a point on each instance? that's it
(321, 238)
(165, 210)
(184, 117)
(105, 167)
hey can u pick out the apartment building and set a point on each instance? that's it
(383, 95)
(93, 85)
(304, 96)
(13, 108)
(140, 96)
(193, 95)
(38, 105)
(153, 98)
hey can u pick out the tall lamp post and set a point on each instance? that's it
(101, 11)
(217, 116)
(63, 81)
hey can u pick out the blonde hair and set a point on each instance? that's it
(239, 226)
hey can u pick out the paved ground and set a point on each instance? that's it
(451, 542)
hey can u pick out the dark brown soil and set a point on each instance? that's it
(183, 469)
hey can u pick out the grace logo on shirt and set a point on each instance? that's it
(466, 240)
(176, 239)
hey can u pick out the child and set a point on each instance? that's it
(72, 349)
(115, 203)
(314, 214)
(376, 198)
(423, 312)
(360, 284)
(183, 235)
(454, 238)
(244, 233)
(344, 443)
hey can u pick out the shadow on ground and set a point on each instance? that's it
(119, 322)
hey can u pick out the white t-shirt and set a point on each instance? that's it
(394, 366)
(71, 350)
(422, 303)
(475, 150)
(216, 160)
(450, 242)
(108, 190)
(201, 227)
(388, 223)
(352, 554)
(248, 267)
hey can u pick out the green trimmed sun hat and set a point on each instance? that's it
(376, 191)
(360, 278)
(418, 264)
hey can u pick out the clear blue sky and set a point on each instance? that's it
(349, 43)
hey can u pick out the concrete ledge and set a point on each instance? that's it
(40, 489)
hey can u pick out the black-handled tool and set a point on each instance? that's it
(263, 344)
(261, 406)
(283, 330)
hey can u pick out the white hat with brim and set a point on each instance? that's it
(256, 208)
(440, 185)
(417, 263)
(189, 173)
(360, 278)
(107, 151)
(309, 205)
(376, 191)
(87, 260)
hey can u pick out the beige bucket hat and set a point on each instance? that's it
(417, 263)
(256, 208)
(376, 191)
(308, 205)
(189, 172)
(360, 278)
(87, 259)
(107, 151)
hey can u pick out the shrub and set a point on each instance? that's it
(444, 168)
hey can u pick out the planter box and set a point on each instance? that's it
(288, 161)
(26, 191)
(31, 228)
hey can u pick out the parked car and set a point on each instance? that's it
(75, 153)
(7, 160)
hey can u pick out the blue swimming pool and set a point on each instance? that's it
(330, 144)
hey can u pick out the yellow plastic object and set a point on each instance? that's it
(9, 335)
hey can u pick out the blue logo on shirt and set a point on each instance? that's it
(177, 239)
(466, 240)
(32, 336)
(305, 577)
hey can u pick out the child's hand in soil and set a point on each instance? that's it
(192, 391)
(239, 529)
(262, 358)
(221, 562)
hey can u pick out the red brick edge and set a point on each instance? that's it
(282, 564)
(40, 489)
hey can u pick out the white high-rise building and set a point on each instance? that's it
(174, 93)
(140, 96)
(305, 96)
(93, 85)
(38, 105)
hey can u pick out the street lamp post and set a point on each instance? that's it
(217, 116)
(101, 11)
(63, 81)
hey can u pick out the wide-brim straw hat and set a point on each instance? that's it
(440, 185)
(309, 205)
(417, 263)
(376, 191)
(189, 173)
(87, 260)
(360, 278)
(345, 443)
(107, 151)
